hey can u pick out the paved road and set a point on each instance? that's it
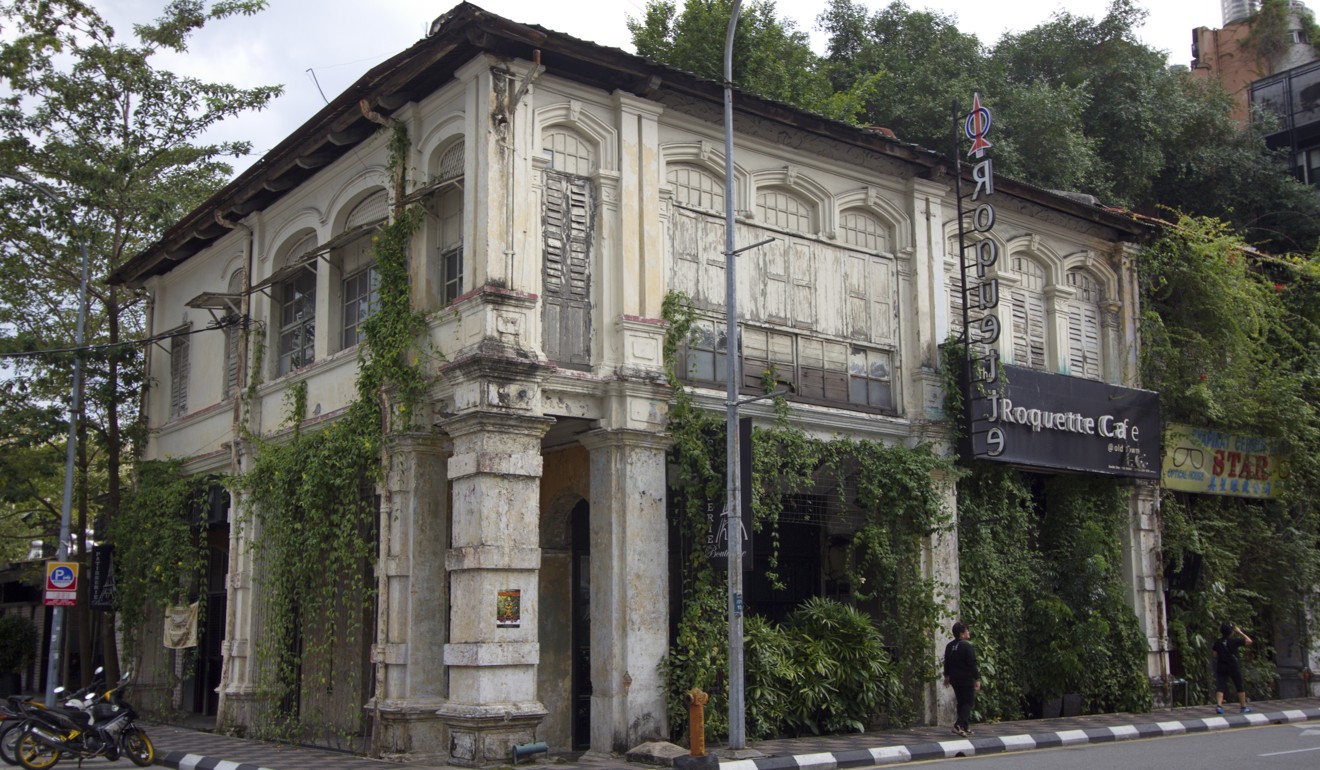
(1272, 747)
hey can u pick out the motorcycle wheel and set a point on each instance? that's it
(9, 735)
(137, 747)
(33, 754)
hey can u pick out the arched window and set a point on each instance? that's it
(359, 278)
(567, 226)
(696, 187)
(864, 231)
(449, 228)
(783, 210)
(1027, 307)
(569, 153)
(232, 334)
(1084, 325)
(295, 299)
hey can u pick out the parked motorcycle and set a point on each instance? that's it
(11, 716)
(99, 725)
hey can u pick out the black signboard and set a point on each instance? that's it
(103, 577)
(1038, 420)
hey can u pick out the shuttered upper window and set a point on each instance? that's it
(1027, 307)
(232, 335)
(1084, 326)
(179, 372)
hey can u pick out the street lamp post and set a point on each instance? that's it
(75, 409)
(733, 503)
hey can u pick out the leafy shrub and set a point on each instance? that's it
(825, 670)
(18, 642)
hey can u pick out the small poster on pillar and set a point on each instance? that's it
(508, 608)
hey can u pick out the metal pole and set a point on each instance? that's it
(733, 505)
(55, 658)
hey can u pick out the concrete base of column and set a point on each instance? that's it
(241, 710)
(484, 736)
(412, 732)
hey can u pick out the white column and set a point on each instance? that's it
(413, 608)
(493, 565)
(629, 587)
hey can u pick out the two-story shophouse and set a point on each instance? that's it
(567, 189)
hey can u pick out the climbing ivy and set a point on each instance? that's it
(310, 495)
(160, 554)
(1231, 339)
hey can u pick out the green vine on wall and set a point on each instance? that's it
(311, 497)
(160, 554)
(1231, 339)
(794, 687)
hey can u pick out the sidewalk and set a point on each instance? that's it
(186, 749)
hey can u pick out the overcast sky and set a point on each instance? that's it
(339, 40)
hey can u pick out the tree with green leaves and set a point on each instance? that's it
(771, 58)
(98, 147)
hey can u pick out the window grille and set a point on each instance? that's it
(361, 301)
(696, 188)
(785, 211)
(864, 231)
(569, 153)
(297, 321)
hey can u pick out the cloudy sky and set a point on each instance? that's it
(316, 47)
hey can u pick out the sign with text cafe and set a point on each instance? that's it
(1051, 421)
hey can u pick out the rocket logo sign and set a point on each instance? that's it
(977, 126)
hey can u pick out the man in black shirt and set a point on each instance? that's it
(960, 672)
(1228, 667)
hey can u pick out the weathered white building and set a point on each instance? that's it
(568, 188)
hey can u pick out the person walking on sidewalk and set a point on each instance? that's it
(1228, 666)
(961, 674)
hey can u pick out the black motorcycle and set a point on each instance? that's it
(104, 727)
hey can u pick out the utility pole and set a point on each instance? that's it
(55, 658)
(733, 503)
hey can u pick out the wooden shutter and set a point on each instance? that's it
(1084, 341)
(566, 268)
(1028, 329)
(179, 369)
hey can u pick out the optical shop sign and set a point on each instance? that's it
(1214, 463)
(1038, 420)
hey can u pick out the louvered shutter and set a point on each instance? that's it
(1028, 329)
(1084, 341)
(231, 342)
(566, 268)
(179, 370)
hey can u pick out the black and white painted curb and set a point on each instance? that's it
(998, 744)
(185, 761)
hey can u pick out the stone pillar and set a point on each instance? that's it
(942, 567)
(1143, 574)
(494, 564)
(413, 608)
(629, 588)
(239, 703)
